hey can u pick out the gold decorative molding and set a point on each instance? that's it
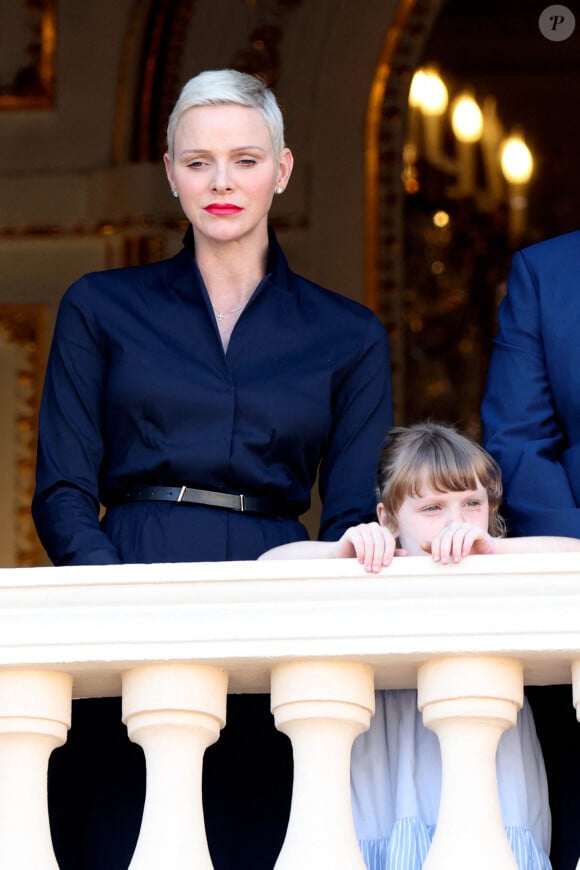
(24, 327)
(375, 111)
(165, 36)
(32, 82)
(384, 193)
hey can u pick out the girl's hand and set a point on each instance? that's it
(458, 540)
(372, 544)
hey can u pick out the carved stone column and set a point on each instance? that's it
(35, 711)
(322, 706)
(174, 711)
(469, 702)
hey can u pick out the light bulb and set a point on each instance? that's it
(467, 119)
(517, 163)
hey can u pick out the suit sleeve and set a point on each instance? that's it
(362, 415)
(521, 425)
(65, 506)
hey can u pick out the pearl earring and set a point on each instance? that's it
(279, 190)
(175, 193)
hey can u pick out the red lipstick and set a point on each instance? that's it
(222, 208)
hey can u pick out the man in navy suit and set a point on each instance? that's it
(531, 425)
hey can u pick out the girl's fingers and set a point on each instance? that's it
(380, 546)
(446, 546)
(458, 540)
(373, 546)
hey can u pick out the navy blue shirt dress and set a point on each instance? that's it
(139, 391)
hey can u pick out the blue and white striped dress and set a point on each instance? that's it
(396, 785)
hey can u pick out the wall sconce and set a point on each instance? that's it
(467, 125)
(466, 119)
(416, 89)
(482, 162)
(429, 95)
(433, 93)
(517, 165)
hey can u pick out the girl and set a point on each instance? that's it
(440, 493)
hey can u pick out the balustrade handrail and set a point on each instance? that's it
(172, 639)
(94, 622)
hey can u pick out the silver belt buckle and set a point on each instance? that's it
(181, 494)
(242, 503)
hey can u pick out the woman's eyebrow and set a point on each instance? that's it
(237, 150)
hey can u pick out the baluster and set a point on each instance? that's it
(322, 706)
(174, 711)
(35, 711)
(469, 703)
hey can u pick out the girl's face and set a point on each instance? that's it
(225, 172)
(422, 517)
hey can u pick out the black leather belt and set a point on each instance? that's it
(189, 495)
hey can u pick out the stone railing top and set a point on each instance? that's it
(94, 622)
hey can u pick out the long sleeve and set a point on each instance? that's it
(530, 408)
(362, 415)
(70, 449)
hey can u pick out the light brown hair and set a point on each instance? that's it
(436, 455)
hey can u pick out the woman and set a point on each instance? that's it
(198, 399)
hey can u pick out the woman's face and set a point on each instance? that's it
(225, 172)
(422, 517)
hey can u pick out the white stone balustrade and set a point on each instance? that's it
(172, 634)
(469, 703)
(322, 706)
(174, 711)
(35, 711)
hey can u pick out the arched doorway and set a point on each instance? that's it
(437, 261)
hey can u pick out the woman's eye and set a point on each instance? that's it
(431, 508)
(247, 161)
(195, 164)
(474, 503)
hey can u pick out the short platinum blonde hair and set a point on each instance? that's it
(436, 455)
(228, 87)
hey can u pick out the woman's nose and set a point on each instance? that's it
(221, 179)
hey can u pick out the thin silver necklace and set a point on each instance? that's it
(219, 315)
